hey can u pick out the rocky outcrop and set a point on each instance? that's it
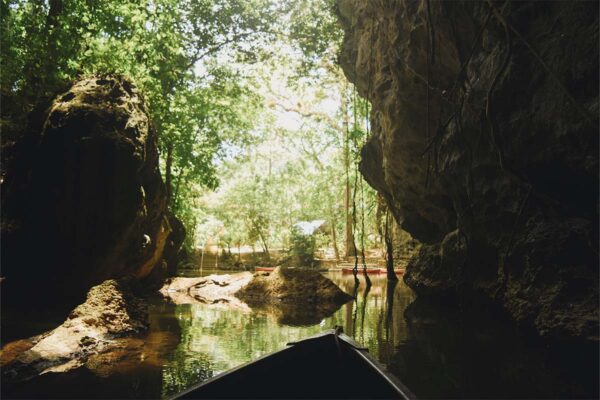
(292, 286)
(403, 245)
(292, 296)
(217, 290)
(485, 147)
(83, 199)
(92, 330)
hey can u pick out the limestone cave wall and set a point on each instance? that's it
(485, 147)
(82, 196)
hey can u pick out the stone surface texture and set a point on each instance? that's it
(111, 312)
(83, 198)
(485, 146)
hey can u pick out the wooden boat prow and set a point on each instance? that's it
(329, 365)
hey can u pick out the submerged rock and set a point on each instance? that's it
(111, 312)
(485, 154)
(218, 290)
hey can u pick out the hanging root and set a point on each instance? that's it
(495, 136)
(355, 269)
(511, 238)
(427, 122)
(362, 234)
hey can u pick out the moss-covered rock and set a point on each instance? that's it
(293, 296)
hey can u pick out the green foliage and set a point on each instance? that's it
(314, 29)
(173, 50)
(294, 171)
(207, 69)
(302, 247)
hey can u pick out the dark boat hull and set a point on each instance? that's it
(327, 366)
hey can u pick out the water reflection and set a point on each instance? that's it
(436, 352)
(449, 354)
(231, 337)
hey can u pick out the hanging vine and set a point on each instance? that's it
(355, 269)
(362, 234)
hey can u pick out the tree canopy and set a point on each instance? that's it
(245, 95)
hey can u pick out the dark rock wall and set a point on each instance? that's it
(485, 147)
(83, 199)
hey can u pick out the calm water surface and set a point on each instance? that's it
(217, 338)
(436, 352)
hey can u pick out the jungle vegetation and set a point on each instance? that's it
(258, 127)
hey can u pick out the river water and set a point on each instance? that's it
(437, 352)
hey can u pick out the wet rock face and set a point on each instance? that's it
(85, 201)
(485, 147)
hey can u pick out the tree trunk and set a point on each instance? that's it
(362, 233)
(175, 194)
(334, 237)
(264, 245)
(350, 247)
(56, 8)
(46, 76)
(168, 172)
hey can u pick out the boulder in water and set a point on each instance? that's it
(111, 312)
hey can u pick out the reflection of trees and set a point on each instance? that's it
(386, 329)
(182, 372)
(389, 304)
(217, 339)
(363, 310)
(214, 340)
